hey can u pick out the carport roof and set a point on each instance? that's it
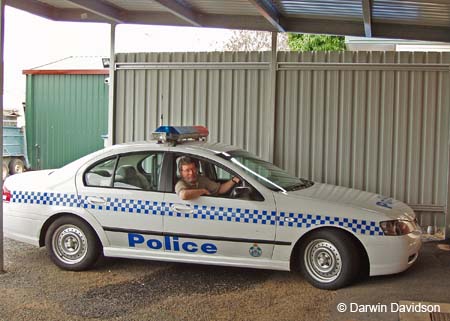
(401, 19)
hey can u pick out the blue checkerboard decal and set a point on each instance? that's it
(211, 213)
(45, 198)
(300, 220)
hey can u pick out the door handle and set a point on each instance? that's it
(95, 200)
(181, 209)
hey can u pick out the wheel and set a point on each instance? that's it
(72, 244)
(5, 171)
(329, 259)
(16, 166)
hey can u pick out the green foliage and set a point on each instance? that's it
(307, 42)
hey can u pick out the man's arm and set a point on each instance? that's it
(189, 194)
(227, 186)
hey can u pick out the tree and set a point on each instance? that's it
(248, 40)
(307, 42)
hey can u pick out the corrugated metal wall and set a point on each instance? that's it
(66, 116)
(224, 91)
(369, 120)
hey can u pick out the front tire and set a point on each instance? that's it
(72, 244)
(329, 259)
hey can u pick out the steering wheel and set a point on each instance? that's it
(239, 190)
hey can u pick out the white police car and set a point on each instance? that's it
(120, 201)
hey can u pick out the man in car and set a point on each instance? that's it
(191, 185)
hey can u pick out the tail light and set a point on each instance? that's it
(6, 195)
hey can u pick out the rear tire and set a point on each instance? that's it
(72, 244)
(329, 259)
(16, 166)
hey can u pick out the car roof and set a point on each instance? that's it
(188, 146)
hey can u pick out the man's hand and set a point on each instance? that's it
(227, 186)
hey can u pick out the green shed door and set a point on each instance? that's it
(65, 117)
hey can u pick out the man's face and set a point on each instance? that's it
(189, 173)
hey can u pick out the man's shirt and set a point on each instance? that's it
(202, 182)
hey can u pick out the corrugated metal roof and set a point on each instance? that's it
(82, 64)
(400, 19)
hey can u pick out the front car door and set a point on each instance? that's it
(231, 231)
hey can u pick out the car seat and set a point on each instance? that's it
(128, 174)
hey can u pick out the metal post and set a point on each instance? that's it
(111, 102)
(2, 70)
(447, 206)
(273, 94)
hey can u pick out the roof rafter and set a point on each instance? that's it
(35, 7)
(100, 9)
(270, 13)
(181, 11)
(367, 17)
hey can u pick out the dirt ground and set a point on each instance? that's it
(117, 289)
(33, 288)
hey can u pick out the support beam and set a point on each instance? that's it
(2, 72)
(367, 17)
(181, 12)
(271, 125)
(112, 77)
(99, 8)
(270, 13)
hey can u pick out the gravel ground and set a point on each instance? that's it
(117, 289)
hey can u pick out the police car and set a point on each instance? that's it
(120, 202)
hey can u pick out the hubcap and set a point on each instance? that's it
(323, 261)
(70, 244)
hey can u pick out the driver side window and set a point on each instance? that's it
(243, 191)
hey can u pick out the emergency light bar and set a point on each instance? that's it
(178, 133)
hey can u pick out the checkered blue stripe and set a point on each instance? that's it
(45, 198)
(229, 214)
(128, 206)
(300, 220)
(211, 213)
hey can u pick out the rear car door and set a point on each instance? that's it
(240, 229)
(123, 192)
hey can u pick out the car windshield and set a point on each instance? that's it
(266, 173)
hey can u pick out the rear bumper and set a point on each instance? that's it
(392, 254)
(21, 229)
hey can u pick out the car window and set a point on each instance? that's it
(139, 171)
(100, 175)
(222, 174)
(266, 173)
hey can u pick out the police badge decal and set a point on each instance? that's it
(255, 251)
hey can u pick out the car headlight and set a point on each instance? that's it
(397, 227)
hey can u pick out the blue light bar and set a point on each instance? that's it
(178, 133)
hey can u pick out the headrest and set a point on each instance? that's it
(126, 171)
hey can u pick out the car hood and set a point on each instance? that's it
(354, 198)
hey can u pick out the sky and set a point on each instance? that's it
(32, 41)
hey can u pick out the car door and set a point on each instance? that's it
(242, 230)
(123, 192)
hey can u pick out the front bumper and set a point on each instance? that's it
(392, 254)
